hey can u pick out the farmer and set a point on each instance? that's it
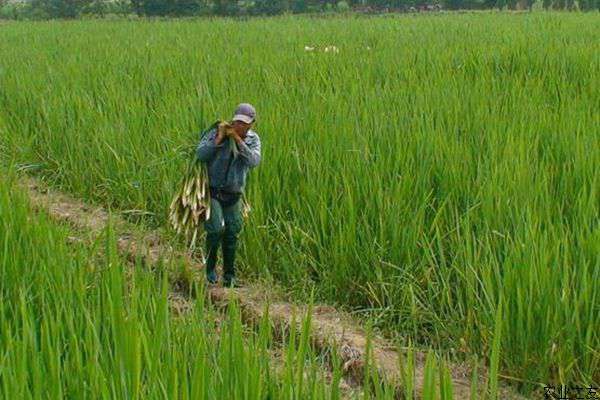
(227, 179)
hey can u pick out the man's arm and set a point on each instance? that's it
(250, 152)
(209, 145)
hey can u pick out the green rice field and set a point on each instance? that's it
(429, 171)
(72, 327)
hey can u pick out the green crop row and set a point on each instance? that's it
(429, 170)
(77, 321)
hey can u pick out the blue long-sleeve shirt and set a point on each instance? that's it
(225, 171)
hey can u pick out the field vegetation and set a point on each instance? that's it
(428, 171)
(77, 321)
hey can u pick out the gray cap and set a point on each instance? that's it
(244, 112)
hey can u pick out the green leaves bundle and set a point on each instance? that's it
(191, 204)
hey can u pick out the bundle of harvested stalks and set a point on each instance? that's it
(191, 204)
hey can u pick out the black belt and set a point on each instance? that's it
(224, 197)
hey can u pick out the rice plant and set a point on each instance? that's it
(428, 168)
(191, 205)
(77, 321)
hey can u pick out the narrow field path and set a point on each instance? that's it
(331, 330)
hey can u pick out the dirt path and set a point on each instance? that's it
(331, 330)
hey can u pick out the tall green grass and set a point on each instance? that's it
(75, 324)
(76, 321)
(452, 164)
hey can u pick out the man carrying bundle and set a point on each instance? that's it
(228, 162)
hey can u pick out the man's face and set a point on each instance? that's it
(241, 128)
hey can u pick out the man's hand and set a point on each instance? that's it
(236, 137)
(220, 135)
(224, 131)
